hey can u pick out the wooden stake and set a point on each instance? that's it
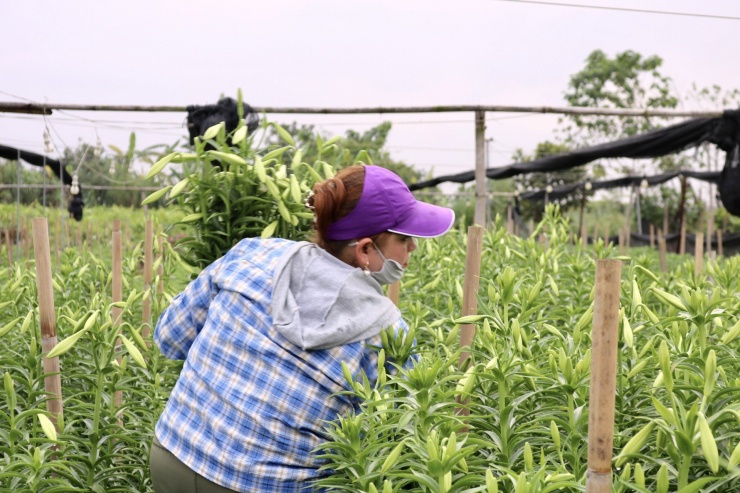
(662, 250)
(53, 379)
(470, 298)
(682, 240)
(720, 250)
(481, 180)
(699, 253)
(394, 291)
(665, 220)
(470, 288)
(117, 295)
(7, 247)
(604, 338)
(652, 235)
(146, 314)
(584, 235)
(710, 229)
(509, 219)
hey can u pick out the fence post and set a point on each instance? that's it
(603, 376)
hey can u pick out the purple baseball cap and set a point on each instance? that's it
(386, 204)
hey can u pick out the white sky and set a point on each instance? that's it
(328, 53)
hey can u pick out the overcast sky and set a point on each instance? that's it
(285, 53)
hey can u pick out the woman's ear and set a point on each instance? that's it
(362, 249)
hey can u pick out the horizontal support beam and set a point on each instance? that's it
(48, 107)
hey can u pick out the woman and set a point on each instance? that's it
(264, 331)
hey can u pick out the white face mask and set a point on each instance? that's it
(391, 271)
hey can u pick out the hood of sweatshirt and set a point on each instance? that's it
(320, 302)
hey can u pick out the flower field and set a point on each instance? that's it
(525, 392)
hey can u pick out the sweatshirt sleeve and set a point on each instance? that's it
(182, 321)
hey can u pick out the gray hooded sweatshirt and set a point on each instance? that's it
(320, 302)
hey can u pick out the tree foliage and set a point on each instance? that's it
(629, 80)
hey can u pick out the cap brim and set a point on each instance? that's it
(426, 221)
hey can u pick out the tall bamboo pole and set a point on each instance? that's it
(117, 295)
(682, 240)
(710, 226)
(146, 311)
(720, 249)
(470, 288)
(665, 220)
(53, 379)
(662, 250)
(698, 253)
(7, 248)
(470, 297)
(652, 235)
(481, 180)
(603, 376)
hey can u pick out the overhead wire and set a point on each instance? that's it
(625, 9)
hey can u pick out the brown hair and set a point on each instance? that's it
(332, 200)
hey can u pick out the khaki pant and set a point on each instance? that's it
(170, 475)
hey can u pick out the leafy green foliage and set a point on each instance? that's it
(527, 388)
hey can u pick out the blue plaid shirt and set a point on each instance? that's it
(249, 407)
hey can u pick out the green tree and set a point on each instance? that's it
(629, 80)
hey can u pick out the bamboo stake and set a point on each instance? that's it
(603, 376)
(481, 180)
(394, 290)
(53, 379)
(7, 247)
(470, 299)
(117, 295)
(584, 235)
(665, 220)
(710, 230)
(160, 267)
(652, 235)
(720, 250)
(698, 253)
(621, 241)
(509, 219)
(26, 243)
(470, 288)
(146, 314)
(682, 240)
(662, 250)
